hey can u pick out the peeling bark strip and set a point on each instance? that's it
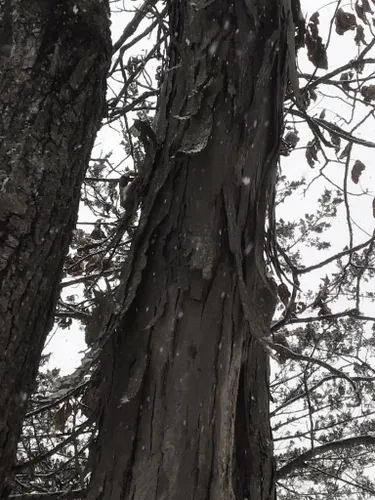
(52, 89)
(184, 411)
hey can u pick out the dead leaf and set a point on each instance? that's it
(345, 78)
(359, 66)
(345, 21)
(335, 140)
(362, 9)
(314, 18)
(360, 12)
(316, 50)
(368, 92)
(360, 35)
(312, 94)
(366, 6)
(291, 139)
(312, 152)
(357, 170)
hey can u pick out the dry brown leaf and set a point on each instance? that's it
(366, 6)
(359, 66)
(316, 50)
(357, 170)
(312, 94)
(312, 152)
(345, 78)
(362, 9)
(368, 92)
(291, 138)
(314, 18)
(335, 140)
(360, 35)
(361, 12)
(345, 21)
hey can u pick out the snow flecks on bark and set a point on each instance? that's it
(193, 361)
(194, 305)
(51, 102)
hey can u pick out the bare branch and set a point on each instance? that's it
(341, 444)
(133, 24)
(51, 452)
(336, 257)
(302, 357)
(332, 128)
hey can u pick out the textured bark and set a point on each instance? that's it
(184, 409)
(52, 89)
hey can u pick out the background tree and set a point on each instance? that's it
(321, 386)
(54, 62)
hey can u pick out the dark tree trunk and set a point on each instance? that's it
(184, 409)
(54, 61)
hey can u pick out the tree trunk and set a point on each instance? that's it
(53, 66)
(184, 408)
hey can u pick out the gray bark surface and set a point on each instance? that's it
(52, 91)
(184, 410)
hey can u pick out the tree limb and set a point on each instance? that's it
(341, 444)
(50, 453)
(134, 23)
